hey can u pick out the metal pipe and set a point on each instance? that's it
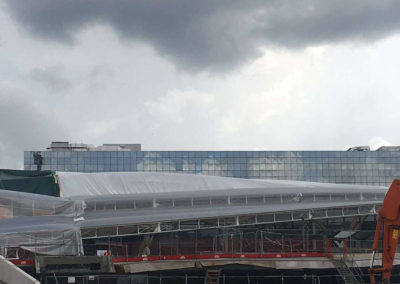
(372, 259)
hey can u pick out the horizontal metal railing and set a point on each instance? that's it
(128, 202)
(288, 242)
(260, 242)
(230, 221)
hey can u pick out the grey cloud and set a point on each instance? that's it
(23, 126)
(303, 23)
(214, 35)
(51, 77)
(103, 72)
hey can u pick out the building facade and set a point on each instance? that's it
(355, 166)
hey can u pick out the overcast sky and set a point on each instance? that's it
(199, 75)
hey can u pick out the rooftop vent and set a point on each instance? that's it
(359, 148)
(130, 147)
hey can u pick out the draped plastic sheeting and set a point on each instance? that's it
(16, 204)
(39, 223)
(51, 225)
(77, 184)
(97, 184)
(52, 241)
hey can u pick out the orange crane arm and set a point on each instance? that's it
(390, 217)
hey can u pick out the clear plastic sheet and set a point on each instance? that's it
(16, 204)
(39, 223)
(52, 241)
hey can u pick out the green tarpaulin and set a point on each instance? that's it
(39, 182)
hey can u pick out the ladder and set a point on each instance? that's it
(345, 272)
(212, 276)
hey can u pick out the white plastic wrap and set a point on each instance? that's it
(39, 223)
(49, 242)
(15, 204)
(101, 184)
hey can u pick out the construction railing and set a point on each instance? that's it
(257, 243)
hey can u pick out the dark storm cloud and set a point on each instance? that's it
(213, 35)
(51, 77)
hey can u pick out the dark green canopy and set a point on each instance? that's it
(39, 182)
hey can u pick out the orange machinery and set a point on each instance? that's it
(390, 217)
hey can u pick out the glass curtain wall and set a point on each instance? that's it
(369, 167)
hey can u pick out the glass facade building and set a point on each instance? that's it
(351, 167)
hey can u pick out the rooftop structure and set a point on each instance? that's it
(66, 146)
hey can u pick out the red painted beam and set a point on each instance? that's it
(220, 256)
(22, 262)
(30, 262)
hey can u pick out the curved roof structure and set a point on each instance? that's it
(98, 184)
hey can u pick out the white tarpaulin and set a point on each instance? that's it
(97, 184)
